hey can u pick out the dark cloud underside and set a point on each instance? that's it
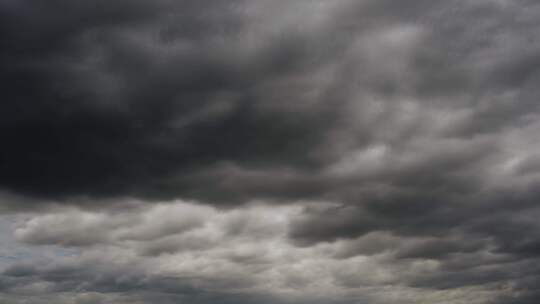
(387, 150)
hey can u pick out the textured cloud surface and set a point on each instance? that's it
(269, 151)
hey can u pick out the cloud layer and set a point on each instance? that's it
(270, 151)
(182, 251)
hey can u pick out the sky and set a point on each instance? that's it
(269, 151)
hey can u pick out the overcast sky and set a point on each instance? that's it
(269, 151)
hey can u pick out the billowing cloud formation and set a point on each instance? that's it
(185, 252)
(339, 151)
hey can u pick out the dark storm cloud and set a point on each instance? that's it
(159, 99)
(103, 101)
(391, 139)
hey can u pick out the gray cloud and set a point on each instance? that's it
(244, 254)
(270, 151)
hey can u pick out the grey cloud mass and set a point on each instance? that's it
(269, 151)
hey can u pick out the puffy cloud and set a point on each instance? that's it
(245, 254)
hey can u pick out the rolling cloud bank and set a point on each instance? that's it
(270, 151)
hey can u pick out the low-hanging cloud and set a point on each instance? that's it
(270, 151)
